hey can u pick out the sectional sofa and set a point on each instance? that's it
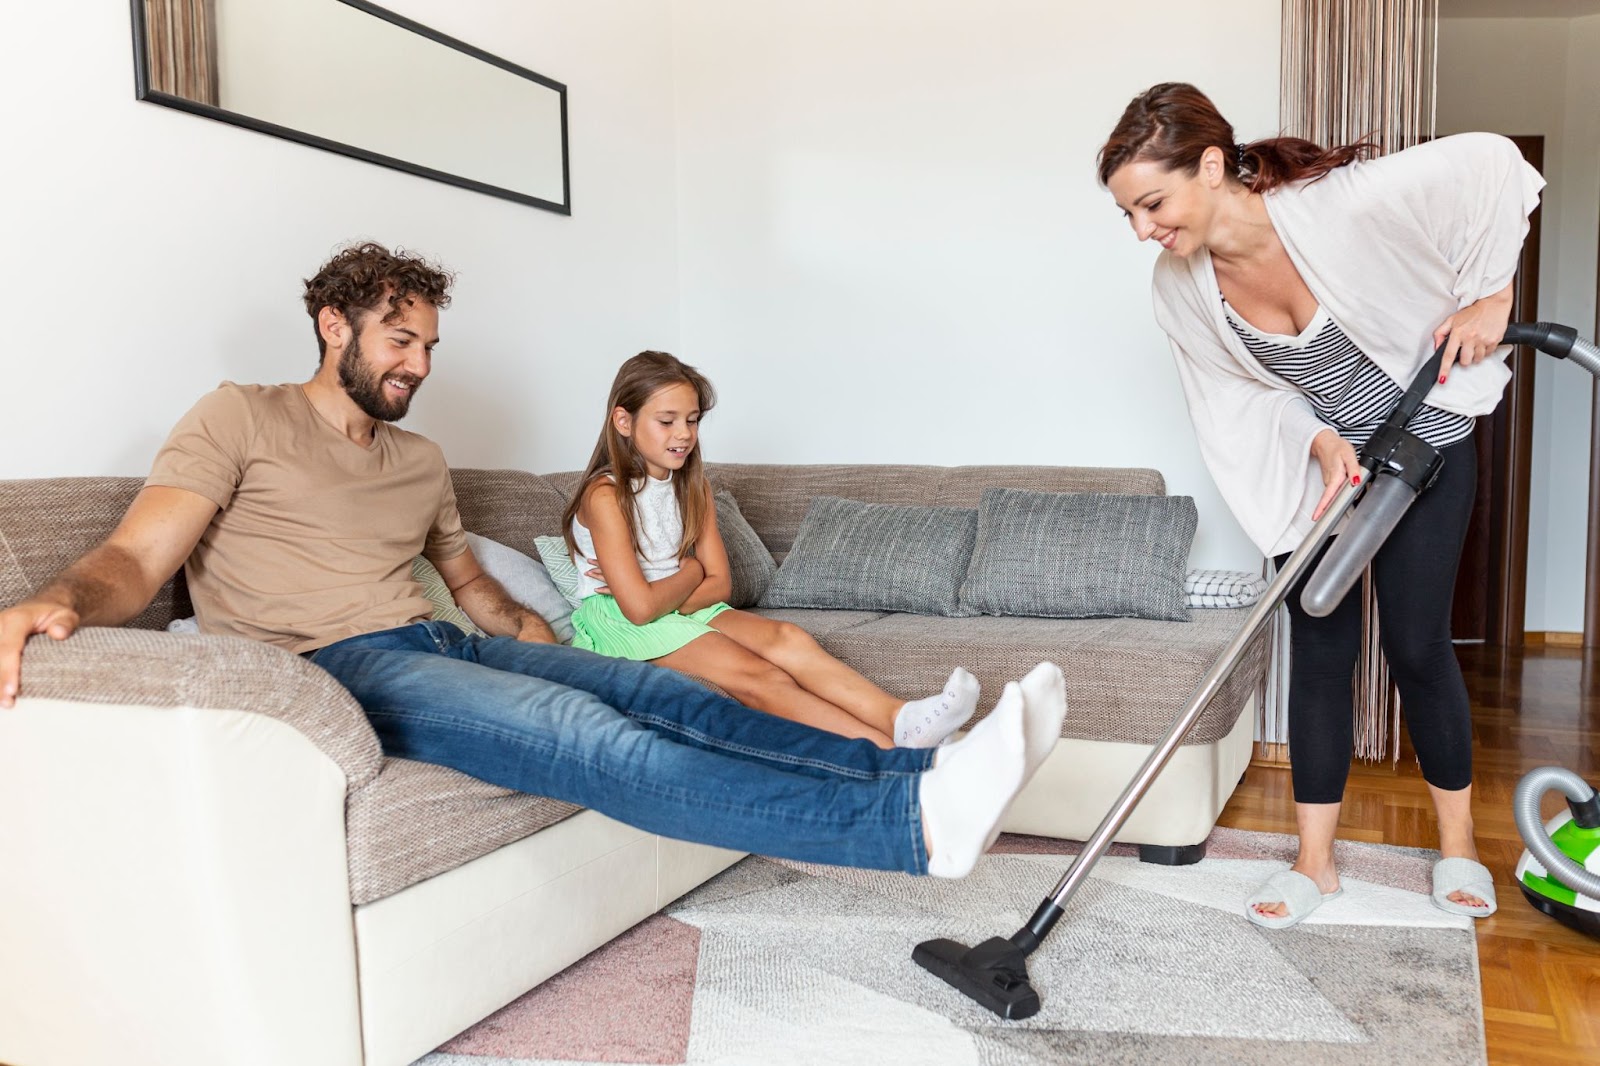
(208, 861)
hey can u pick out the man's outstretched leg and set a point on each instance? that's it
(537, 736)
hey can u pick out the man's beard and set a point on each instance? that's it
(365, 387)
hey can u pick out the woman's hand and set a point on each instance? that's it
(1474, 331)
(1337, 457)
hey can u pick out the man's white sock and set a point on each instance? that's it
(924, 723)
(1044, 699)
(970, 786)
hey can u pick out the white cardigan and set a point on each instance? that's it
(1391, 247)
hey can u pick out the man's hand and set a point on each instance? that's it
(488, 604)
(17, 624)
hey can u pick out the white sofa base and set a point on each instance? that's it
(444, 953)
(1081, 779)
(174, 892)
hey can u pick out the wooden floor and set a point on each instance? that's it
(1536, 707)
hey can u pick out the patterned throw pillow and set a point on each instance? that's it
(1080, 555)
(1222, 588)
(438, 593)
(750, 564)
(877, 557)
(563, 571)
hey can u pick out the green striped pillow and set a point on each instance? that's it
(438, 593)
(563, 571)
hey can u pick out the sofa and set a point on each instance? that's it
(208, 859)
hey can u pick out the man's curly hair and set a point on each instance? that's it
(356, 281)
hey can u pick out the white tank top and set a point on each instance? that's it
(660, 533)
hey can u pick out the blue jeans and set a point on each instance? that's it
(638, 743)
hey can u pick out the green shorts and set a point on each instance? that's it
(599, 626)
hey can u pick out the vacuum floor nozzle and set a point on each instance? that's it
(994, 974)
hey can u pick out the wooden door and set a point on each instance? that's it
(1491, 586)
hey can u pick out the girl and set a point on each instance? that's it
(643, 532)
(1298, 285)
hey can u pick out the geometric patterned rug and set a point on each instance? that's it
(782, 962)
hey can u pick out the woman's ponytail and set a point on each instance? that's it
(1174, 123)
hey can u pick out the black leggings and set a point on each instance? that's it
(1415, 575)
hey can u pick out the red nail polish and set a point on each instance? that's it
(1441, 379)
(1356, 480)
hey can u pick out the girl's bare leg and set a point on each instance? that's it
(757, 683)
(797, 653)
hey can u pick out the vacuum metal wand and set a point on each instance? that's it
(1276, 593)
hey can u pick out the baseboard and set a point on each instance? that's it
(1553, 639)
(1268, 754)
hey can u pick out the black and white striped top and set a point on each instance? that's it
(1346, 389)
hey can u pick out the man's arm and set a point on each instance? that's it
(112, 582)
(488, 604)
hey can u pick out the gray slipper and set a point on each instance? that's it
(1463, 875)
(1295, 889)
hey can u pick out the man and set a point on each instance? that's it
(297, 509)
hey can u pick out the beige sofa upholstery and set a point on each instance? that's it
(209, 860)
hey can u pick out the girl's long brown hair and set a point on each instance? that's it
(615, 456)
(1174, 123)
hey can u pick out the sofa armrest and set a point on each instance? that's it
(173, 839)
(149, 668)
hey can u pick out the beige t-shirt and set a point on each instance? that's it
(315, 536)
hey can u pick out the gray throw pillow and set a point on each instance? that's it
(877, 557)
(749, 563)
(1080, 555)
(527, 582)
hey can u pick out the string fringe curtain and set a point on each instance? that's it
(1359, 68)
(182, 41)
(1354, 70)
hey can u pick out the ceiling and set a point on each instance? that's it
(1522, 9)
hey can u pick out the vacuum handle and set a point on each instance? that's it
(1560, 341)
(1388, 497)
(1374, 518)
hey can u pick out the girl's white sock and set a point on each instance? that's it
(1044, 699)
(970, 786)
(924, 723)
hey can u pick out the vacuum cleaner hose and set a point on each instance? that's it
(1373, 519)
(1562, 342)
(1586, 355)
(1525, 805)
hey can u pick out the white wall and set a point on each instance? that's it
(1537, 76)
(893, 246)
(149, 253)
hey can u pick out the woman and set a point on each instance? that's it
(1301, 288)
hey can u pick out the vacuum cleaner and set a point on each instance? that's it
(1399, 465)
(1559, 874)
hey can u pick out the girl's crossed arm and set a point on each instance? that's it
(717, 585)
(640, 601)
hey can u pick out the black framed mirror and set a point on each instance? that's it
(351, 77)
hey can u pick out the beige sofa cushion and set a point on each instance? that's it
(1127, 678)
(45, 524)
(417, 820)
